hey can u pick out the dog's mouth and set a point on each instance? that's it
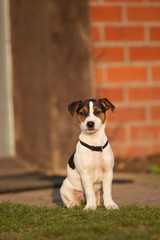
(90, 130)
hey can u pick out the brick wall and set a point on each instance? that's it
(126, 52)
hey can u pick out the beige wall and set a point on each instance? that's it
(51, 68)
(6, 114)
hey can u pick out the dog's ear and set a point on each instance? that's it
(72, 107)
(107, 104)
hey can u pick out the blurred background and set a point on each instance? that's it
(54, 52)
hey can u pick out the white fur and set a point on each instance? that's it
(93, 170)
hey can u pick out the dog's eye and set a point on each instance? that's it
(82, 113)
(97, 112)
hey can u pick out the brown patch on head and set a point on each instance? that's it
(99, 113)
(72, 107)
(102, 117)
(107, 104)
(82, 114)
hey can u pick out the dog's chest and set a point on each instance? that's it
(92, 164)
(97, 167)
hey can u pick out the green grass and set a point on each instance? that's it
(154, 169)
(29, 222)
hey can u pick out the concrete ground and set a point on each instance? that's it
(142, 189)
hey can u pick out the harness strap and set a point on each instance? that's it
(93, 148)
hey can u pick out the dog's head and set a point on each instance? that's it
(91, 113)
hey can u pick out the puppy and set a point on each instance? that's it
(90, 168)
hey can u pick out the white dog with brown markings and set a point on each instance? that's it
(90, 168)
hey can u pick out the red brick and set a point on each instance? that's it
(124, 33)
(156, 73)
(155, 112)
(155, 33)
(98, 75)
(123, 1)
(155, 148)
(144, 53)
(113, 94)
(116, 134)
(108, 54)
(145, 133)
(125, 114)
(131, 151)
(95, 34)
(105, 13)
(148, 13)
(144, 93)
(126, 74)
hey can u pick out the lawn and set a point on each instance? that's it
(29, 222)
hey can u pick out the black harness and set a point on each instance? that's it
(93, 148)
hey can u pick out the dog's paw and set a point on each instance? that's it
(89, 207)
(72, 206)
(111, 205)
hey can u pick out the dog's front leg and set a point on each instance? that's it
(107, 190)
(89, 192)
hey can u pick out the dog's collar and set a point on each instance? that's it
(93, 148)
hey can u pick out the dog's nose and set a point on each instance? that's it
(90, 124)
